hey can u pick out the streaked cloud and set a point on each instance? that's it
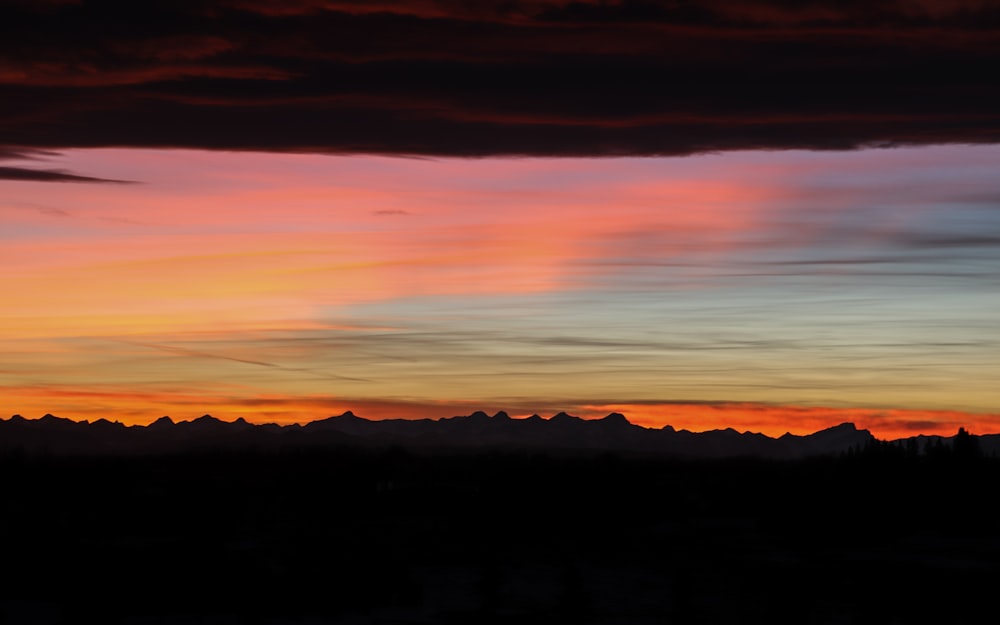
(33, 174)
(538, 78)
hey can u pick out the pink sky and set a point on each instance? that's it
(846, 282)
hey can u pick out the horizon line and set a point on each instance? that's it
(506, 416)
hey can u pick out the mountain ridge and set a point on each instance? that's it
(477, 431)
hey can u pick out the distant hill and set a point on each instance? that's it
(475, 432)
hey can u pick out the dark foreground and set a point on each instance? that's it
(393, 537)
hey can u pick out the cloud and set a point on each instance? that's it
(182, 351)
(539, 77)
(48, 211)
(733, 11)
(948, 240)
(50, 175)
(27, 174)
(12, 153)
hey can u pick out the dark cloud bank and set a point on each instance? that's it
(539, 77)
(47, 175)
(32, 174)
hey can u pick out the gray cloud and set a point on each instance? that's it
(184, 351)
(51, 175)
(545, 77)
(922, 240)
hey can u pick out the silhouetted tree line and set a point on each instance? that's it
(963, 448)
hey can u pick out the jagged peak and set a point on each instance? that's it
(50, 418)
(163, 421)
(843, 428)
(846, 426)
(348, 417)
(722, 432)
(562, 416)
(615, 418)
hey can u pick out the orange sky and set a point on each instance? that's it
(132, 407)
(770, 292)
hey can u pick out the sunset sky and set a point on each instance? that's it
(725, 214)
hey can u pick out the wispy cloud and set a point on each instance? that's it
(24, 174)
(184, 351)
(31, 174)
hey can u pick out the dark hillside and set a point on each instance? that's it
(331, 536)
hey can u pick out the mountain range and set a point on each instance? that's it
(475, 432)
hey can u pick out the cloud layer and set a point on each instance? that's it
(539, 77)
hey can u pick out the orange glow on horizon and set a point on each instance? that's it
(134, 408)
(776, 420)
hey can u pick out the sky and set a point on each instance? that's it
(762, 215)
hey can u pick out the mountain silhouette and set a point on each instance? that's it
(562, 432)
(477, 431)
